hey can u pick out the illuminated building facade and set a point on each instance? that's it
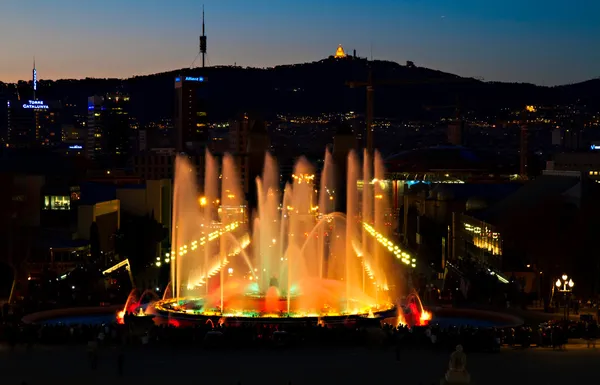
(33, 123)
(109, 129)
(477, 240)
(190, 118)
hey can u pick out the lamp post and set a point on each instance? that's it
(565, 286)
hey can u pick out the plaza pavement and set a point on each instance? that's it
(307, 366)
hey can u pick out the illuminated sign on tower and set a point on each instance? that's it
(39, 104)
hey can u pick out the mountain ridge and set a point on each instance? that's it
(316, 87)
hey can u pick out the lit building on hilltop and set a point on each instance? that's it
(339, 52)
(190, 118)
(108, 129)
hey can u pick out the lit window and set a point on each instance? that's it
(53, 202)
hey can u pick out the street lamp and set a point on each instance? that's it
(565, 286)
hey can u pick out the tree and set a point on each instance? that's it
(139, 240)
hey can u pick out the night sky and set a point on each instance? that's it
(545, 42)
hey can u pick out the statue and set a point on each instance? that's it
(457, 368)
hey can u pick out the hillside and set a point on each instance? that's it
(313, 88)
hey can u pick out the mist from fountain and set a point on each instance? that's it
(295, 257)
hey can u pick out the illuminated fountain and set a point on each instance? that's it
(137, 303)
(295, 258)
(413, 313)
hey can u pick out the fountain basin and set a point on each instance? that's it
(190, 310)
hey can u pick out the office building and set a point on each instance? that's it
(33, 123)
(238, 134)
(190, 118)
(109, 130)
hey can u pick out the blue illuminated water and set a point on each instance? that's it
(98, 319)
(93, 319)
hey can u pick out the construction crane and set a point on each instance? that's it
(370, 85)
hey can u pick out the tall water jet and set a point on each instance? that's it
(381, 212)
(286, 212)
(301, 222)
(231, 212)
(325, 204)
(208, 203)
(351, 217)
(366, 209)
(268, 206)
(186, 226)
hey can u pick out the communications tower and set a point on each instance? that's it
(203, 39)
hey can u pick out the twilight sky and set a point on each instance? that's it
(540, 41)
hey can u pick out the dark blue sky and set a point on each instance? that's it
(544, 42)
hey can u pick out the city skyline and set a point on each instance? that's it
(498, 41)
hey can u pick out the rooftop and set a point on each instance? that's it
(532, 193)
(92, 193)
(440, 158)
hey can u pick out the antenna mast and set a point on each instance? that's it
(203, 39)
(34, 79)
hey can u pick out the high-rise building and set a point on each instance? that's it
(33, 123)
(238, 134)
(190, 118)
(109, 129)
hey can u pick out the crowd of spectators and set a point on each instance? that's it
(433, 336)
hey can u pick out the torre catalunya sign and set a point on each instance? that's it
(39, 104)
